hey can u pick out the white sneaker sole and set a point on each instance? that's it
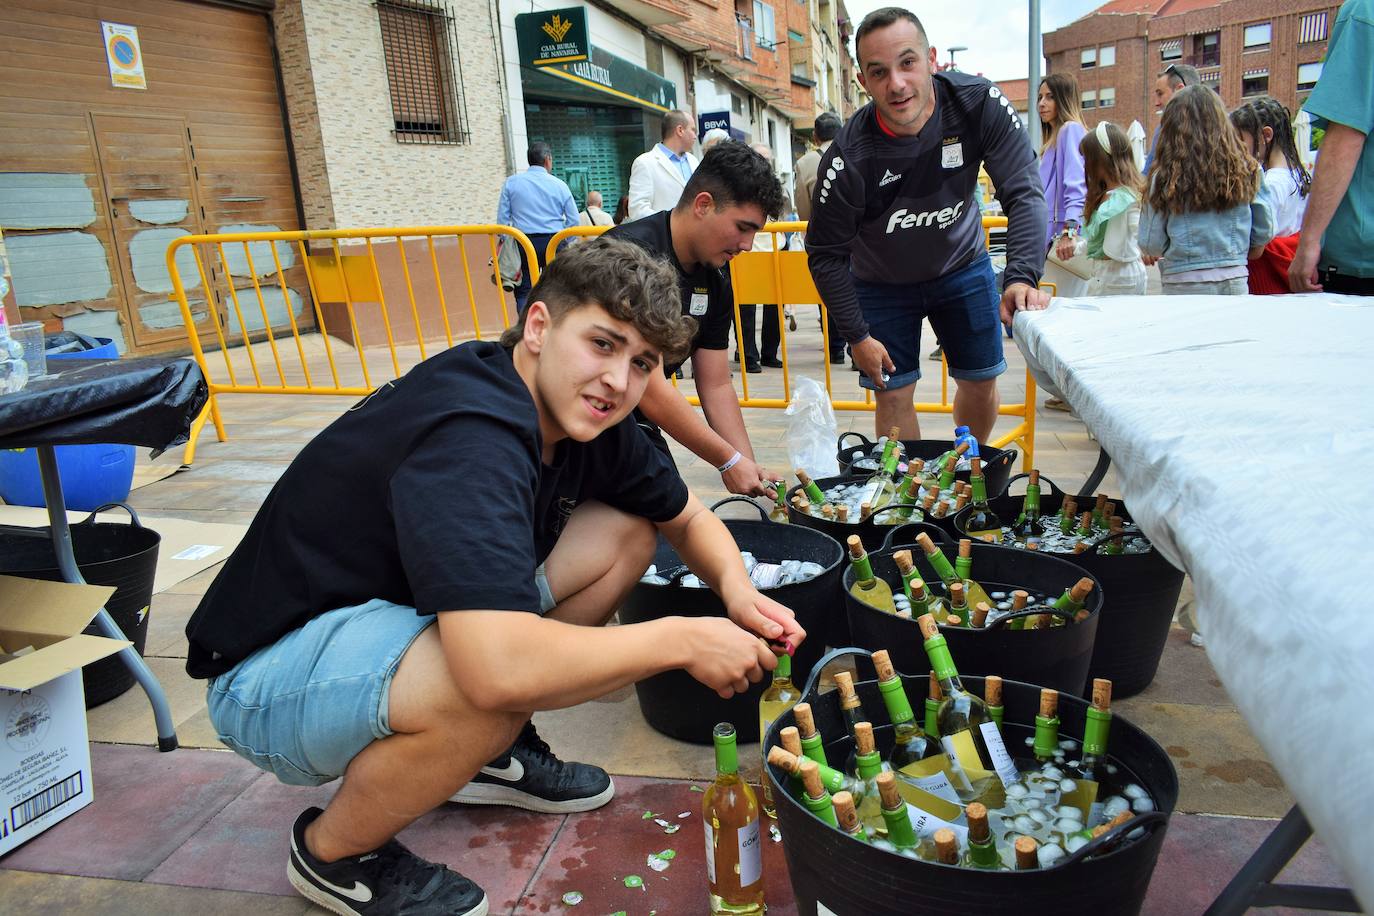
(486, 793)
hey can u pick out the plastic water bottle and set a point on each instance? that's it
(14, 372)
(961, 433)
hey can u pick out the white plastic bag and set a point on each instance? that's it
(811, 429)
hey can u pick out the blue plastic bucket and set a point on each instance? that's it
(92, 475)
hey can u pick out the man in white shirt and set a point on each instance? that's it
(593, 215)
(658, 176)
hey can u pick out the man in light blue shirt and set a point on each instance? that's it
(1336, 246)
(539, 205)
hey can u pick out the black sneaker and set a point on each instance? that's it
(937, 354)
(391, 879)
(529, 776)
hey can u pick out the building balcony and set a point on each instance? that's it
(653, 12)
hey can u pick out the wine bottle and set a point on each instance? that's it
(973, 592)
(939, 464)
(967, 732)
(992, 697)
(830, 780)
(983, 523)
(1095, 728)
(813, 492)
(815, 797)
(907, 493)
(899, 830)
(910, 744)
(1099, 515)
(868, 763)
(780, 696)
(979, 620)
(812, 744)
(847, 816)
(1027, 853)
(730, 821)
(1074, 600)
(958, 611)
(947, 473)
(1117, 545)
(790, 740)
(881, 485)
(867, 587)
(906, 569)
(1027, 524)
(933, 697)
(1085, 526)
(946, 847)
(779, 511)
(982, 848)
(1047, 726)
(852, 710)
(1019, 599)
(963, 560)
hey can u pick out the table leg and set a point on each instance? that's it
(1104, 461)
(66, 562)
(1253, 885)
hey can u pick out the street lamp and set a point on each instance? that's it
(951, 51)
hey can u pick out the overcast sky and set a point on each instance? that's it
(994, 31)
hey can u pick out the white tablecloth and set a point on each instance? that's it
(1242, 432)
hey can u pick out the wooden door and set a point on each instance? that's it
(148, 171)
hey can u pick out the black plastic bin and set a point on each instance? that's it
(854, 879)
(996, 462)
(1141, 591)
(681, 707)
(1056, 657)
(107, 553)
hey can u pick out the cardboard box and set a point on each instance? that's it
(45, 757)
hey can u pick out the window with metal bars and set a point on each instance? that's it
(424, 71)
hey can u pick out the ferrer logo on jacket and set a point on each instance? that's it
(940, 219)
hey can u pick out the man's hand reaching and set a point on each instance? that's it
(1022, 297)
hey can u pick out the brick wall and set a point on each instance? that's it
(353, 172)
(1130, 76)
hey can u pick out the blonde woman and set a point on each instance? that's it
(1061, 163)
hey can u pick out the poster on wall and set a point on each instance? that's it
(124, 56)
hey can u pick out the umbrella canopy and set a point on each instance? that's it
(1302, 137)
(1136, 134)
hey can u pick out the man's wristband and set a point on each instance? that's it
(734, 460)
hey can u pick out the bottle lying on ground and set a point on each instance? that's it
(730, 821)
(780, 696)
(867, 587)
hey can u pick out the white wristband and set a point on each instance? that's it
(734, 460)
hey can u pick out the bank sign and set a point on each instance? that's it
(552, 36)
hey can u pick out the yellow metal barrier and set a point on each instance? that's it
(783, 278)
(390, 288)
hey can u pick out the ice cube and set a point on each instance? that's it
(1030, 742)
(654, 580)
(1068, 744)
(810, 570)
(997, 596)
(1031, 803)
(1039, 815)
(1067, 785)
(1069, 811)
(1075, 843)
(1053, 772)
(1048, 855)
(1017, 790)
(1114, 806)
(1134, 791)
(1111, 769)
(1142, 805)
(1024, 824)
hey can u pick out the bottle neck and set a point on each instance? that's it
(1066, 603)
(1046, 736)
(813, 493)
(783, 673)
(814, 749)
(863, 569)
(984, 855)
(899, 829)
(1032, 504)
(868, 765)
(943, 664)
(895, 699)
(980, 490)
(727, 757)
(940, 564)
(1095, 731)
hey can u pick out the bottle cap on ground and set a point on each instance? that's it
(992, 690)
(1049, 702)
(882, 661)
(1102, 693)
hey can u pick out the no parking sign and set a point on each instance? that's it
(124, 56)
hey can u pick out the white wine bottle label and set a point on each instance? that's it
(964, 753)
(823, 910)
(930, 774)
(750, 854)
(925, 824)
(710, 851)
(1001, 760)
(765, 575)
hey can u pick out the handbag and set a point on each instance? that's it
(508, 261)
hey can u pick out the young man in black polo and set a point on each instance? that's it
(729, 197)
(404, 599)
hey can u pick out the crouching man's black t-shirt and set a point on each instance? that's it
(429, 492)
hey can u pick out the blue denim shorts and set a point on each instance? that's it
(962, 308)
(305, 706)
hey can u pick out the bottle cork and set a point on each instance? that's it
(1080, 547)
(961, 447)
(856, 546)
(1108, 509)
(903, 560)
(1026, 852)
(941, 509)
(954, 620)
(1102, 693)
(844, 811)
(1070, 506)
(1116, 521)
(1080, 589)
(887, 789)
(842, 514)
(946, 843)
(918, 589)
(1032, 543)
(980, 614)
(863, 737)
(928, 501)
(956, 594)
(828, 510)
(882, 661)
(978, 830)
(803, 477)
(1085, 521)
(865, 510)
(929, 628)
(844, 681)
(894, 434)
(1034, 477)
(1101, 503)
(965, 548)
(975, 467)
(1019, 599)
(806, 725)
(926, 544)
(935, 692)
(1115, 822)
(913, 489)
(802, 503)
(791, 740)
(1049, 703)
(992, 690)
(811, 777)
(786, 760)
(961, 501)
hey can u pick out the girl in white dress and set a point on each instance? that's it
(1111, 212)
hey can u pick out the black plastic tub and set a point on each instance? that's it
(1141, 591)
(107, 553)
(850, 878)
(1057, 657)
(996, 462)
(680, 706)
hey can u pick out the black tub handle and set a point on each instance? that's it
(1055, 489)
(1029, 612)
(741, 499)
(1093, 545)
(809, 692)
(892, 508)
(1148, 819)
(1008, 458)
(840, 446)
(941, 541)
(133, 516)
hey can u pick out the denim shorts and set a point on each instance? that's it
(963, 308)
(305, 706)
